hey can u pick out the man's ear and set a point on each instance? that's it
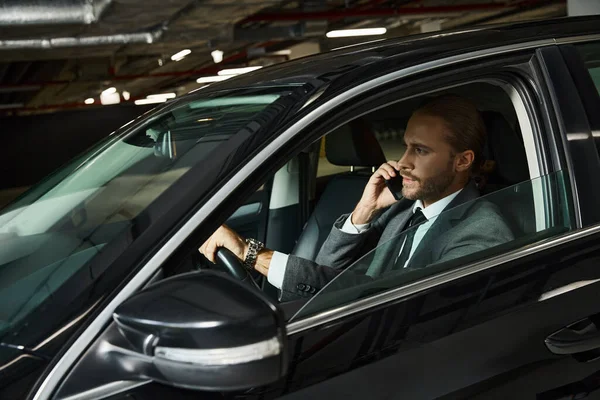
(464, 160)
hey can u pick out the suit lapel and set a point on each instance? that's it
(389, 244)
(443, 223)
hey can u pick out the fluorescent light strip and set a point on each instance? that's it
(162, 96)
(180, 55)
(210, 79)
(149, 101)
(110, 90)
(356, 32)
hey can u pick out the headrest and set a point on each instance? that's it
(354, 144)
(505, 148)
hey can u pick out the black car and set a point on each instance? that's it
(104, 295)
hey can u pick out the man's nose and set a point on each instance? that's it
(406, 161)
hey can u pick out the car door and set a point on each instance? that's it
(520, 324)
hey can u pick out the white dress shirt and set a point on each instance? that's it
(279, 260)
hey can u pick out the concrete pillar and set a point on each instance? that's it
(583, 7)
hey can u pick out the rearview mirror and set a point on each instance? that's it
(164, 145)
(205, 330)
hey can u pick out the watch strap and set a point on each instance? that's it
(254, 247)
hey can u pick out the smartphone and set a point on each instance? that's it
(395, 186)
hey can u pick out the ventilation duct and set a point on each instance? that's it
(51, 12)
(54, 43)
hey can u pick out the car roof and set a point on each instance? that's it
(378, 57)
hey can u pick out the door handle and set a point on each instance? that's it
(578, 337)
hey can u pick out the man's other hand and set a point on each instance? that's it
(224, 237)
(376, 194)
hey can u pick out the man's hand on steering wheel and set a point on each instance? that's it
(224, 237)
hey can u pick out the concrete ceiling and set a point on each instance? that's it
(56, 53)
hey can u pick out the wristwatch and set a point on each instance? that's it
(254, 246)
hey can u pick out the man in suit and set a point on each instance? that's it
(444, 144)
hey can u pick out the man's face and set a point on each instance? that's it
(428, 165)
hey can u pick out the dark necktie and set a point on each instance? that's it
(416, 219)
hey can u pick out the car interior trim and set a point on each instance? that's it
(531, 151)
(54, 377)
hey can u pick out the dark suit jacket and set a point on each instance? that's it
(466, 226)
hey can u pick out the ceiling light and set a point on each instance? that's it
(356, 32)
(110, 90)
(217, 56)
(89, 101)
(162, 96)
(237, 71)
(206, 120)
(126, 95)
(285, 52)
(210, 79)
(181, 55)
(150, 101)
(110, 96)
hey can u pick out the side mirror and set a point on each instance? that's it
(205, 330)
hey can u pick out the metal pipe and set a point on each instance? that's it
(51, 12)
(381, 12)
(61, 42)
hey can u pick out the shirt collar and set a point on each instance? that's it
(435, 209)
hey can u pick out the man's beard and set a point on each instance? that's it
(431, 188)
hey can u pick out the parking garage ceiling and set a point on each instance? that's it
(55, 54)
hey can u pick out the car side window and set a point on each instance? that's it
(483, 228)
(589, 62)
(590, 54)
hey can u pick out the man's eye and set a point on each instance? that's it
(419, 150)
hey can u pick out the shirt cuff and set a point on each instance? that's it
(349, 227)
(277, 269)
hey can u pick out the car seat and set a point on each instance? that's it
(352, 145)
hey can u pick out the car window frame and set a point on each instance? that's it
(532, 123)
(527, 116)
(589, 93)
(545, 156)
(280, 145)
(574, 140)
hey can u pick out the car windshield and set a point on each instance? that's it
(58, 240)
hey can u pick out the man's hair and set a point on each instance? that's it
(464, 122)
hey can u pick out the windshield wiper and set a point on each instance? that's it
(26, 350)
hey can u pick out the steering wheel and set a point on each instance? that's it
(231, 264)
